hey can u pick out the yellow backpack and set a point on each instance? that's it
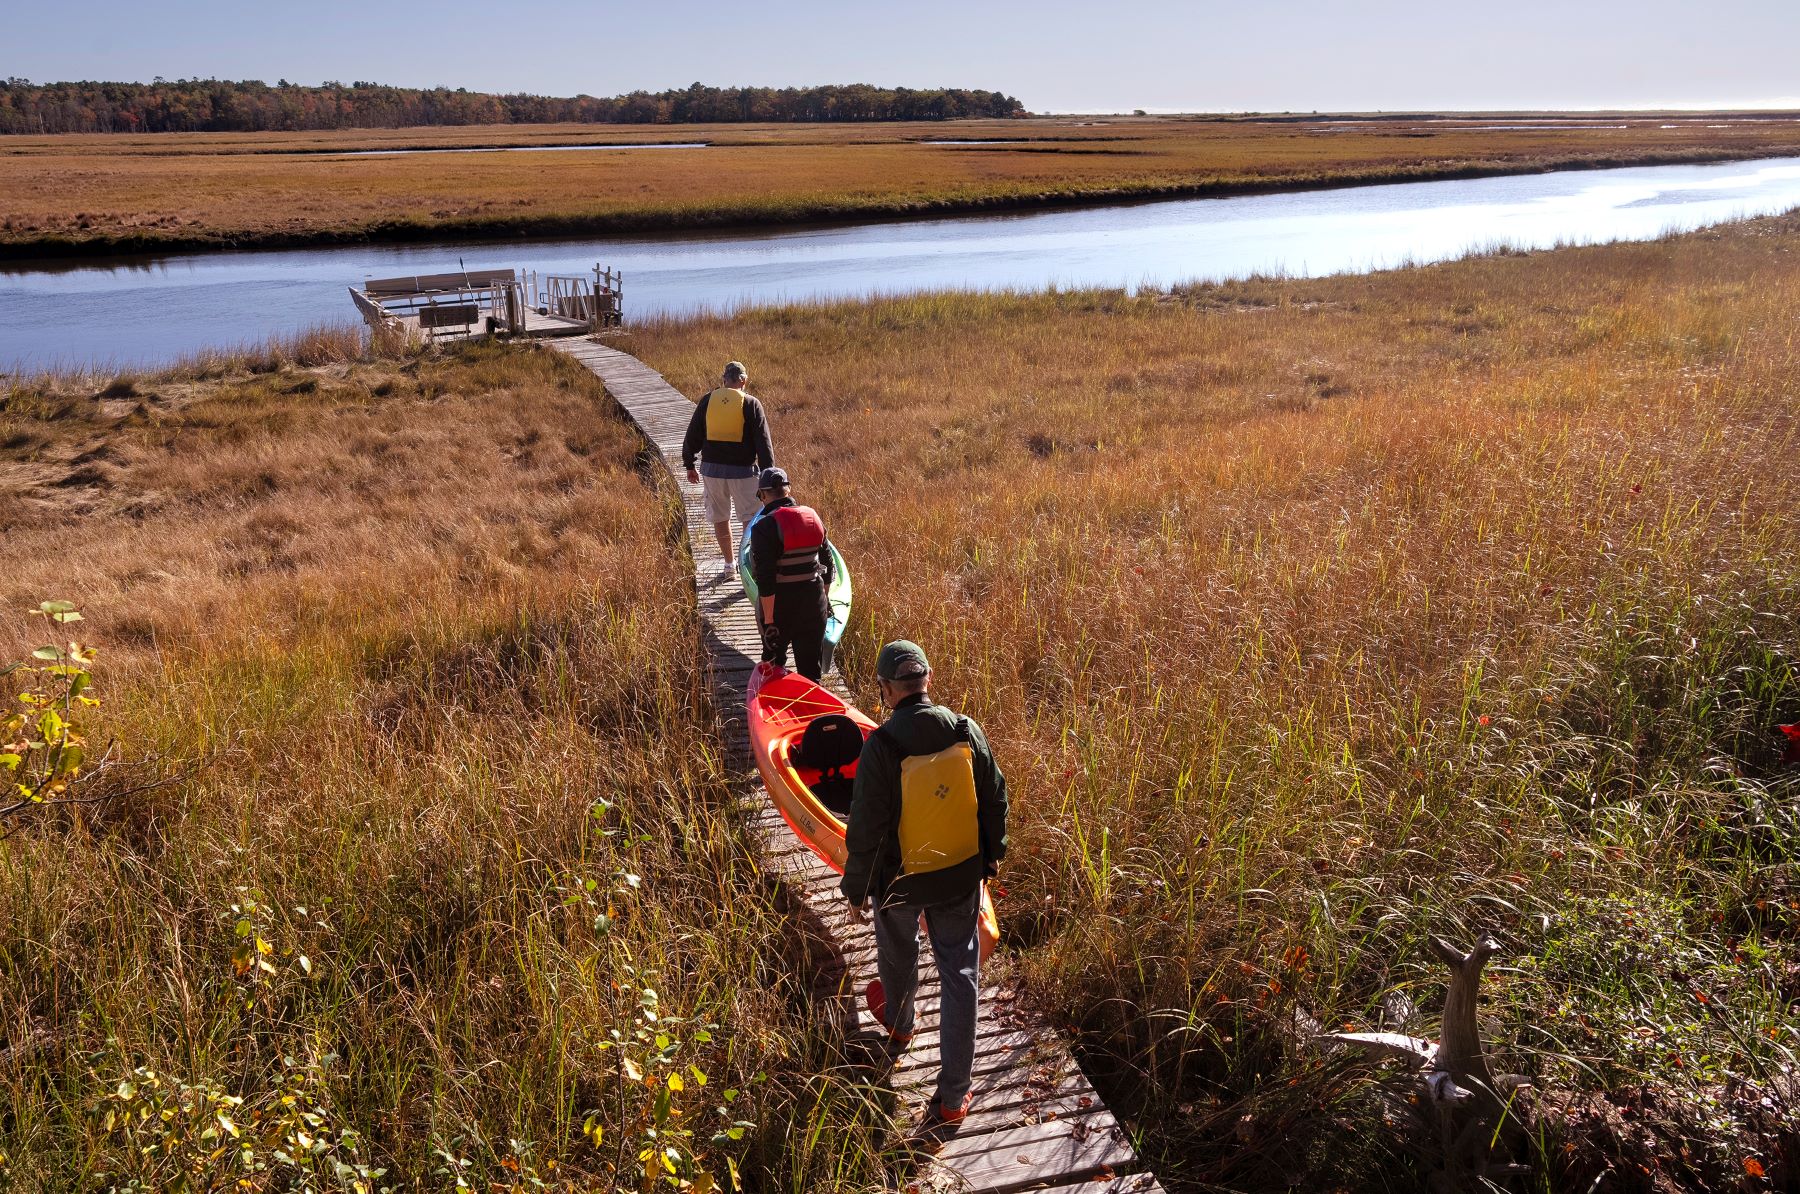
(938, 826)
(725, 416)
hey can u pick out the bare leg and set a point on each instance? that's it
(722, 532)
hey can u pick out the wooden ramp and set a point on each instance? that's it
(1037, 1123)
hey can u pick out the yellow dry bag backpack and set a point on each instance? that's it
(938, 827)
(725, 416)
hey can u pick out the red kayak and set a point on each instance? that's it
(807, 741)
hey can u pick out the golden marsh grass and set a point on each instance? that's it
(415, 640)
(1311, 617)
(100, 193)
(1308, 618)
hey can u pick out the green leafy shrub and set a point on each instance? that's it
(42, 744)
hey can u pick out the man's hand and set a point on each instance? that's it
(769, 635)
(693, 477)
(861, 911)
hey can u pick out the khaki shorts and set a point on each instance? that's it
(719, 494)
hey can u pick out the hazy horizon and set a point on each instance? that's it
(1055, 56)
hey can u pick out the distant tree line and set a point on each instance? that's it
(218, 105)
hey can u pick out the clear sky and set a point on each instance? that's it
(1054, 55)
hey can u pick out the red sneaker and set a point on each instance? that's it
(877, 1000)
(937, 1113)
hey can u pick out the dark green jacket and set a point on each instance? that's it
(872, 838)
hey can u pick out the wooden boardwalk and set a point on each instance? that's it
(1037, 1124)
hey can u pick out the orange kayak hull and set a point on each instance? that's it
(780, 705)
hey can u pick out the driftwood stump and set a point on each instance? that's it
(1459, 1046)
(1479, 1132)
(1477, 1128)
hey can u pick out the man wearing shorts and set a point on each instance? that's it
(729, 438)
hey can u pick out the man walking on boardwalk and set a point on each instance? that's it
(927, 826)
(790, 561)
(728, 436)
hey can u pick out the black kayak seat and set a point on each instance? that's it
(829, 744)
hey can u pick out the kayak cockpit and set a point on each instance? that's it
(824, 757)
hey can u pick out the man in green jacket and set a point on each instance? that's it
(927, 826)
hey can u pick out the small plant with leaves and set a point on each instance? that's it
(250, 929)
(602, 899)
(662, 1105)
(198, 1136)
(43, 746)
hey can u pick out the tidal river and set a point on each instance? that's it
(150, 310)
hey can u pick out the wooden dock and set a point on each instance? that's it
(1037, 1123)
(469, 304)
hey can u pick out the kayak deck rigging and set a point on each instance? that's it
(1037, 1122)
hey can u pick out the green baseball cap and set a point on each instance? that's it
(901, 660)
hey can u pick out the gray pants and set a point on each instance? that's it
(953, 944)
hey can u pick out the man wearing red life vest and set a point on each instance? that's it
(790, 560)
(728, 438)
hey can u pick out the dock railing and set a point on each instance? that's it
(597, 303)
(609, 298)
(372, 312)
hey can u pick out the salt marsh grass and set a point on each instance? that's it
(444, 882)
(1312, 617)
(1309, 617)
(93, 193)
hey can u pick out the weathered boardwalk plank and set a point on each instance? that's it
(1037, 1123)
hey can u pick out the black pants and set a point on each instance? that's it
(799, 622)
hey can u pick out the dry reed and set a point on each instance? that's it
(1309, 617)
(413, 639)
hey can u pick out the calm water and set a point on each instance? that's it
(146, 311)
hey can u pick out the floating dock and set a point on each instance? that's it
(466, 304)
(1037, 1122)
